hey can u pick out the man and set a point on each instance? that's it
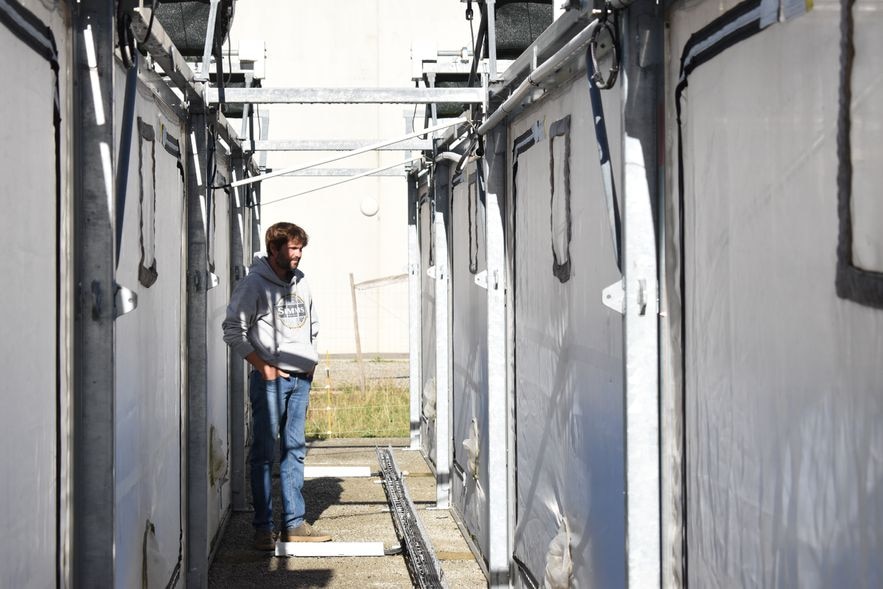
(272, 324)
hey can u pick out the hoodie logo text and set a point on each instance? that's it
(291, 311)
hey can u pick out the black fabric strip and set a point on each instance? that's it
(611, 200)
(36, 35)
(861, 286)
(122, 172)
(147, 275)
(561, 127)
(472, 214)
(687, 67)
(30, 30)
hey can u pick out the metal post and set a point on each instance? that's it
(415, 317)
(209, 41)
(494, 178)
(237, 367)
(197, 356)
(94, 501)
(492, 39)
(641, 82)
(442, 341)
(357, 336)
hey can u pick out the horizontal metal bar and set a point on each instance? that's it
(361, 150)
(319, 172)
(334, 145)
(347, 95)
(350, 179)
(316, 549)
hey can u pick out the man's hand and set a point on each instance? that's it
(268, 371)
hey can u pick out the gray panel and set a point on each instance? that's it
(28, 314)
(427, 430)
(782, 378)
(568, 356)
(149, 365)
(469, 334)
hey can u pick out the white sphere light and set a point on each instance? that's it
(369, 206)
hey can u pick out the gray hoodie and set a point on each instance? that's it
(274, 318)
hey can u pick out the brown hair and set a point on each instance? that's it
(280, 234)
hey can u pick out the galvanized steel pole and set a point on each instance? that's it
(94, 489)
(196, 529)
(442, 339)
(640, 35)
(494, 173)
(238, 372)
(415, 317)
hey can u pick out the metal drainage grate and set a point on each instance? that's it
(422, 563)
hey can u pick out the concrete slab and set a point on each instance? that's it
(352, 510)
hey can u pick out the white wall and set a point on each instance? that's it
(348, 43)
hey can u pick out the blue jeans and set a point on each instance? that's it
(279, 411)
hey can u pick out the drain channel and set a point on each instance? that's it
(422, 563)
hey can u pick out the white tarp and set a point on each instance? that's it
(28, 314)
(783, 379)
(217, 353)
(469, 357)
(427, 310)
(568, 352)
(148, 350)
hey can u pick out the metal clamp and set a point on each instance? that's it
(604, 25)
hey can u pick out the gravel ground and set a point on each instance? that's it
(340, 372)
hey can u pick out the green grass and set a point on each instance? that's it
(380, 412)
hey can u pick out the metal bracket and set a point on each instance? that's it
(434, 273)
(481, 279)
(125, 300)
(613, 297)
(213, 280)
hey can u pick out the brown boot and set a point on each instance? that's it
(264, 540)
(305, 533)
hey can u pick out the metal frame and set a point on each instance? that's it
(642, 80)
(94, 487)
(198, 282)
(442, 339)
(333, 145)
(237, 369)
(203, 75)
(345, 95)
(163, 51)
(494, 172)
(415, 323)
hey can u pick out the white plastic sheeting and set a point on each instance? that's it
(568, 352)
(427, 421)
(469, 357)
(218, 240)
(783, 379)
(148, 380)
(29, 311)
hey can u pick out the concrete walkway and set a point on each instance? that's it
(352, 510)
